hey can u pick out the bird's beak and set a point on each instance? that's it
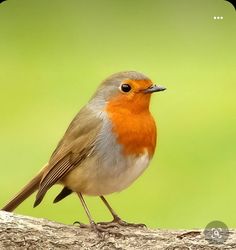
(154, 88)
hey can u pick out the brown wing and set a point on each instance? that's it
(75, 146)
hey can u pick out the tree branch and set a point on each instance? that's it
(22, 232)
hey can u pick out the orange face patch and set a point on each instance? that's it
(139, 85)
(132, 122)
(135, 100)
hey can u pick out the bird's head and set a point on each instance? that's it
(129, 90)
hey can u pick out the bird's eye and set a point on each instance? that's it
(125, 87)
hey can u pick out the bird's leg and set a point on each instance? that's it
(117, 221)
(95, 227)
(91, 221)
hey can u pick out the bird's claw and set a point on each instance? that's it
(100, 229)
(81, 225)
(118, 222)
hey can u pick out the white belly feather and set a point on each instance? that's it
(128, 176)
(101, 179)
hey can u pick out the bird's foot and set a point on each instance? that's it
(100, 229)
(118, 223)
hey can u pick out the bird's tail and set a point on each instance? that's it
(25, 192)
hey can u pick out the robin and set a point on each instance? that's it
(108, 144)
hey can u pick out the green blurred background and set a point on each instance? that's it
(53, 55)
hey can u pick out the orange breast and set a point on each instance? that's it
(133, 124)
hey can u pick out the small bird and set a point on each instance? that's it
(108, 144)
